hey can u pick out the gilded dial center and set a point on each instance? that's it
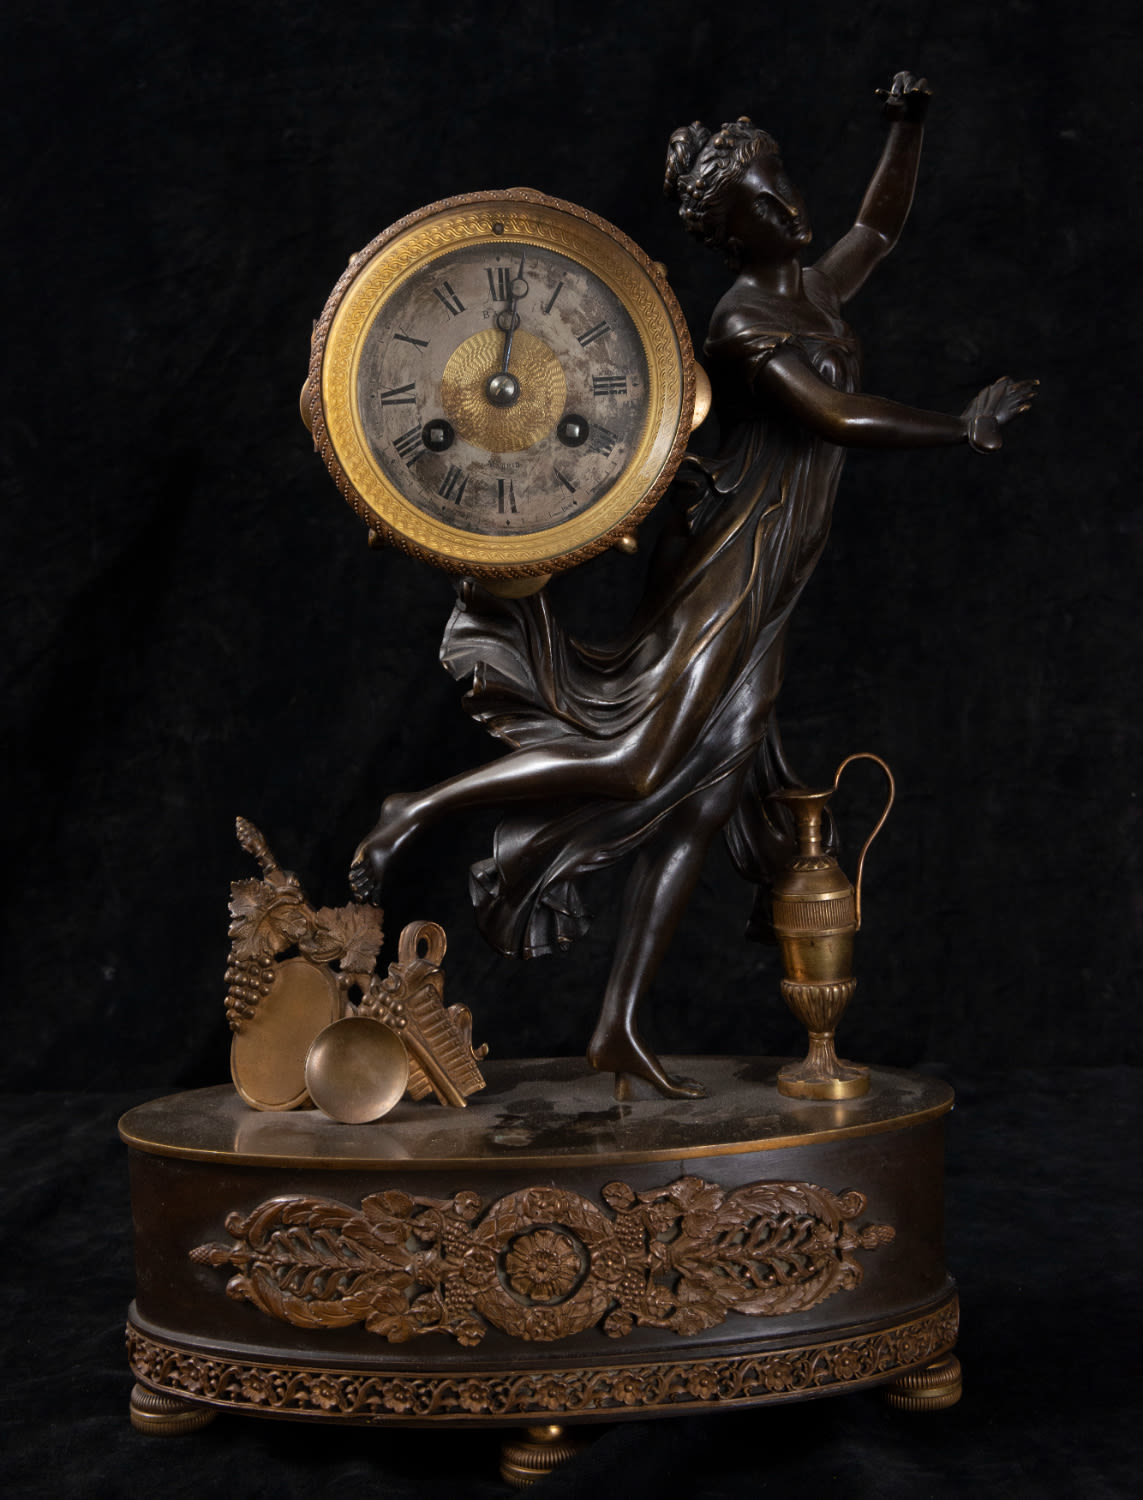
(503, 429)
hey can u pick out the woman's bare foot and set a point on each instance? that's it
(634, 1064)
(394, 827)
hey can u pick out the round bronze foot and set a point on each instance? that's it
(934, 1388)
(166, 1416)
(526, 1457)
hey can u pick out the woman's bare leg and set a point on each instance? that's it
(656, 894)
(570, 768)
(626, 767)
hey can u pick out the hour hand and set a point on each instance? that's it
(503, 389)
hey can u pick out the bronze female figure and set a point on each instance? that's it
(652, 744)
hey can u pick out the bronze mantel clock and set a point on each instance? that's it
(502, 386)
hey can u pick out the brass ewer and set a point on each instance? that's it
(816, 912)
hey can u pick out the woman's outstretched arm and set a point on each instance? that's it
(889, 196)
(857, 421)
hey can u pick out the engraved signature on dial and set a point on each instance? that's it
(493, 448)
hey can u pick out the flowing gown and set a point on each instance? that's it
(699, 668)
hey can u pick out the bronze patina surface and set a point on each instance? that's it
(545, 1263)
(540, 1113)
(653, 743)
(546, 1253)
(606, 1392)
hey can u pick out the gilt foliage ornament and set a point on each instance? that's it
(545, 1263)
(271, 917)
(728, 1381)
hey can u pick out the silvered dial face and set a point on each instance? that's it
(502, 388)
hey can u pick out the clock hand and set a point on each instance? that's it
(503, 389)
(517, 284)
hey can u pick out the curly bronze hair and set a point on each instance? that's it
(702, 169)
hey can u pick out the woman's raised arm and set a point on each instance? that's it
(857, 421)
(889, 196)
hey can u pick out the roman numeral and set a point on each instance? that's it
(505, 490)
(449, 298)
(593, 333)
(453, 486)
(397, 396)
(603, 441)
(407, 338)
(410, 446)
(567, 484)
(500, 285)
(609, 385)
(551, 302)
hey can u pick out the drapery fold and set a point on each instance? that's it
(699, 668)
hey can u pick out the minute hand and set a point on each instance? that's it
(516, 294)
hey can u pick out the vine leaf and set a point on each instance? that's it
(356, 931)
(265, 919)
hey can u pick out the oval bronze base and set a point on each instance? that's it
(546, 1256)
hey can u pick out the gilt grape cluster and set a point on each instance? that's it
(248, 981)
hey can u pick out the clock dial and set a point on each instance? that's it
(574, 420)
(501, 384)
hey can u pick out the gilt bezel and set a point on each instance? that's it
(376, 272)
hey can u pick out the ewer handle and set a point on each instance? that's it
(867, 755)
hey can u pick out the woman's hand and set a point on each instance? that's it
(906, 98)
(996, 405)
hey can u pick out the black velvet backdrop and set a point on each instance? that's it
(196, 627)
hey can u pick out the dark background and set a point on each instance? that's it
(196, 627)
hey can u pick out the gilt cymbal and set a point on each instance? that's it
(357, 1069)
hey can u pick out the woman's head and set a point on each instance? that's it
(733, 191)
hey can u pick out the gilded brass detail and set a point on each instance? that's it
(816, 912)
(271, 917)
(162, 1415)
(821, 1074)
(704, 397)
(535, 1453)
(410, 999)
(277, 1004)
(935, 1388)
(503, 429)
(517, 588)
(532, 1394)
(544, 1263)
(281, 1008)
(268, 1051)
(356, 1070)
(530, 218)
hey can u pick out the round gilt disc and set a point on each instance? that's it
(356, 1070)
(509, 429)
